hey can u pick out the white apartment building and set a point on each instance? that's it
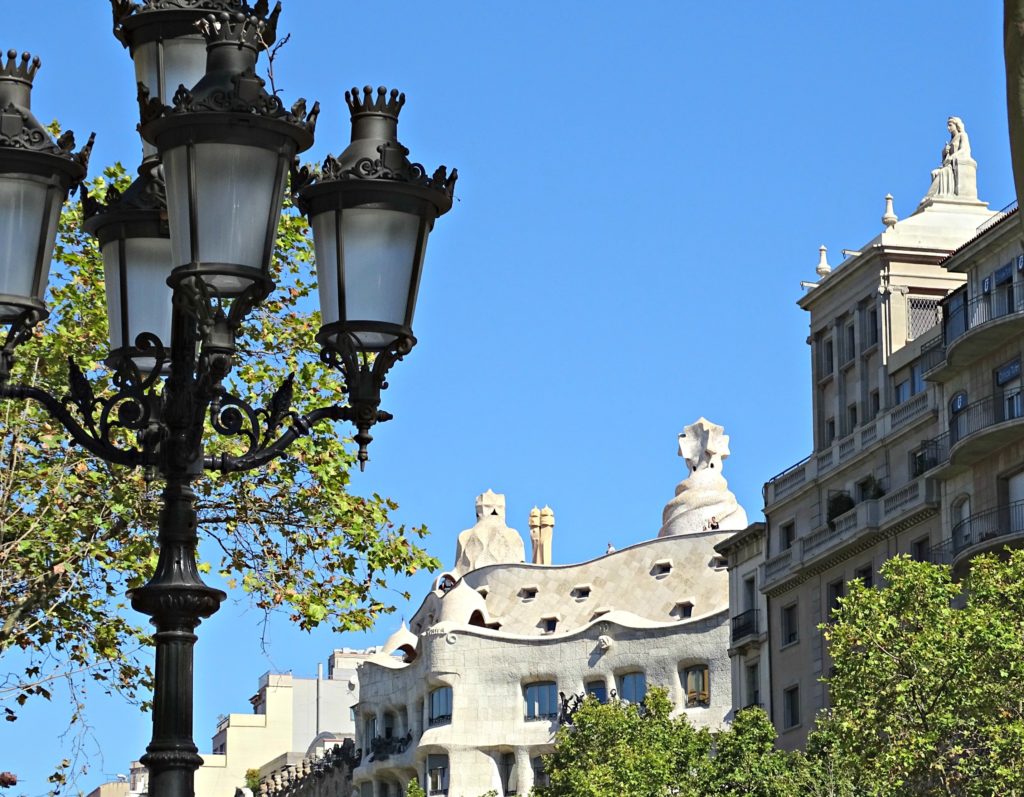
(469, 696)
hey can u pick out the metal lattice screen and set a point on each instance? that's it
(922, 314)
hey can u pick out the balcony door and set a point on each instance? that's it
(1015, 500)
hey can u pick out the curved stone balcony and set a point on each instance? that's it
(975, 329)
(987, 531)
(984, 426)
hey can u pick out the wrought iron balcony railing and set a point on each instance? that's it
(1002, 521)
(744, 624)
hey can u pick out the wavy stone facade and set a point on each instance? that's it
(469, 696)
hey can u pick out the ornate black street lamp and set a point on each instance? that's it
(187, 253)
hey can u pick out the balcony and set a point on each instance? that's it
(744, 625)
(930, 454)
(775, 567)
(868, 519)
(861, 519)
(782, 484)
(975, 328)
(933, 354)
(902, 417)
(987, 531)
(984, 426)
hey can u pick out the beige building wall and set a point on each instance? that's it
(748, 640)
(861, 496)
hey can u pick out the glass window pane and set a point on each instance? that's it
(541, 700)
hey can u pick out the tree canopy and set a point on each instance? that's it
(76, 533)
(928, 689)
(643, 751)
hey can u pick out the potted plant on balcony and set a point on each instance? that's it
(839, 503)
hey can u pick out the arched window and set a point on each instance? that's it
(960, 515)
(632, 687)
(441, 705)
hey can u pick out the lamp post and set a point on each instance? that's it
(187, 251)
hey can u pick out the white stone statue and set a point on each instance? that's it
(703, 501)
(490, 541)
(957, 176)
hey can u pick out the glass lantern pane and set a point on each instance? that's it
(56, 200)
(325, 242)
(145, 59)
(176, 176)
(235, 190)
(379, 251)
(184, 63)
(23, 213)
(148, 295)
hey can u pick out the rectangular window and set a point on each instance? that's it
(901, 391)
(698, 689)
(830, 431)
(919, 549)
(851, 344)
(916, 379)
(827, 358)
(922, 315)
(749, 593)
(753, 675)
(437, 774)
(790, 625)
(872, 330)
(875, 402)
(598, 689)
(507, 766)
(791, 707)
(541, 700)
(441, 705)
(632, 687)
(851, 418)
(369, 729)
(540, 777)
(787, 536)
(550, 624)
(836, 590)
(866, 574)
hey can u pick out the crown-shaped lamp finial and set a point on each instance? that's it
(381, 105)
(254, 30)
(23, 71)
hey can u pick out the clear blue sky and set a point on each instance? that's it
(642, 187)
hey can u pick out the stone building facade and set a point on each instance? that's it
(915, 352)
(468, 697)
